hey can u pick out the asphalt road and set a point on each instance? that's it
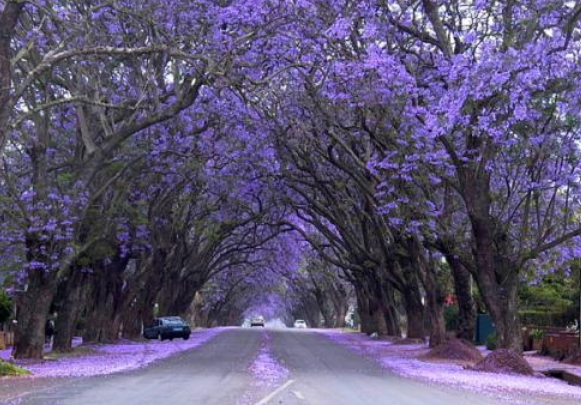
(217, 373)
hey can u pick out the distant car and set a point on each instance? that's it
(258, 321)
(300, 324)
(169, 327)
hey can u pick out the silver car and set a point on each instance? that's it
(257, 321)
(300, 324)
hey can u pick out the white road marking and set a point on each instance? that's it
(273, 394)
(299, 395)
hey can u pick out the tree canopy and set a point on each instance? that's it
(219, 157)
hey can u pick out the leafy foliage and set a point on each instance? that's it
(11, 370)
(492, 341)
(5, 307)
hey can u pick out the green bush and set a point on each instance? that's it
(5, 307)
(451, 316)
(545, 317)
(537, 334)
(9, 369)
(492, 341)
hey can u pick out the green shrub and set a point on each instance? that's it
(9, 369)
(451, 316)
(537, 334)
(492, 341)
(545, 317)
(5, 307)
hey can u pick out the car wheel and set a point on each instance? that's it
(186, 337)
(171, 339)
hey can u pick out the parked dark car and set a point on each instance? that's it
(168, 327)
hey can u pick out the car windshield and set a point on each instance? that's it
(173, 322)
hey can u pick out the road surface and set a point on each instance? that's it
(217, 373)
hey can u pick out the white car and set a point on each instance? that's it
(257, 321)
(300, 324)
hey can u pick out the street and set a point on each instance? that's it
(217, 373)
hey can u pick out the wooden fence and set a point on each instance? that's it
(6, 340)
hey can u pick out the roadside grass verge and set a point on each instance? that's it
(76, 352)
(11, 370)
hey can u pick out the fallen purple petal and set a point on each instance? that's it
(114, 358)
(404, 361)
(265, 368)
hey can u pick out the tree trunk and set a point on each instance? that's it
(498, 282)
(502, 301)
(371, 314)
(414, 310)
(341, 309)
(32, 313)
(377, 317)
(70, 306)
(324, 309)
(133, 317)
(107, 302)
(363, 311)
(103, 322)
(434, 301)
(111, 328)
(466, 308)
(177, 295)
(389, 311)
(9, 18)
(435, 305)
(496, 272)
(34, 304)
(132, 328)
(196, 310)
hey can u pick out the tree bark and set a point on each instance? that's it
(501, 299)
(340, 308)
(42, 279)
(427, 270)
(363, 311)
(196, 310)
(371, 313)
(390, 311)
(133, 319)
(32, 313)
(414, 310)
(378, 317)
(435, 306)
(107, 302)
(466, 307)
(321, 299)
(132, 327)
(496, 271)
(70, 306)
(8, 21)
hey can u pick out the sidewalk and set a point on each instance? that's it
(92, 360)
(404, 360)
